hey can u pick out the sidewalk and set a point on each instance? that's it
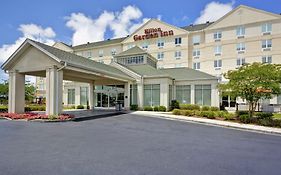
(249, 127)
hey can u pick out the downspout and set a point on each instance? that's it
(57, 80)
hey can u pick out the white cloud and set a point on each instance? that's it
(32, 31)
(121, 23)
(213, 11)
(87, 29)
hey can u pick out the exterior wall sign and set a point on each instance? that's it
(153, 33)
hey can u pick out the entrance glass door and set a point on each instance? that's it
(107, 96)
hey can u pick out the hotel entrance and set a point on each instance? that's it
(107, 96)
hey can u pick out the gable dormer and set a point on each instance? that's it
(154, 29)
(243, 15)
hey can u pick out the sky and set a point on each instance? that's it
(79, 21)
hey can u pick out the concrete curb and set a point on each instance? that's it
(226, 124)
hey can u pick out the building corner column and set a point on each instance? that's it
(127, 96)
(140, 95)
(54, 88)
(16, 98)
(91, 95)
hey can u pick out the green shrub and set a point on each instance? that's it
(134, 107)
(239, 113)
(147, 108)
(162, 108)
(176, 112)
(80, 107)
(208, 114)
(245, 118)
(197, 113)
(221, 114)
(174, 105)
(229, 116)
(155, 108)
(189, 107)
(35, 108)
(205, 108)
(276, 123)
(53, 117)
(187, 113)
(265, 122)
(3, 108)
(214, 108)
(264, 115)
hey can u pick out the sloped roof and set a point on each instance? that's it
(79, 60)
(174, 73)
(197, 27)
(185, 73)
(132, 51)
(99, 43)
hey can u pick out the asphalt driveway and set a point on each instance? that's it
(134, 145)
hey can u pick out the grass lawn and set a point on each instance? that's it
(277, 116)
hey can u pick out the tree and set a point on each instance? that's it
(29, 91)
(253, 82)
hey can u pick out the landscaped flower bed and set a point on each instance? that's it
(259, 118)
(35, 116)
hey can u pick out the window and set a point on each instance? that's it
(217, 64)
(203, 95)
(160, 43)
(196, 65)
(100, 53)
(133, 94)
(71, 96)
(266, 28)
(217, 50)
(130, 46)
(183, 94)
(83, 95)
(267, 44)
(89, 54)
(151, 95)
(178, 41)
(240, 61)
(240, 47)
(217, 35)
(240, 31)
(113, 51)
(196, 39)
(177, 54)
(145, 45)
(267, 59)
(160, 55)
(196, 53)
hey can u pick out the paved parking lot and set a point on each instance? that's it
(134, 145)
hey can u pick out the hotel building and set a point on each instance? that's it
(160, 62)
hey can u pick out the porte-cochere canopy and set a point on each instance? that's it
(37, 59)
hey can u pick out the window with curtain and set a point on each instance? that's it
(83, 95)
(183, 94)
(71, 96)
(203, 95)
(151, 95)
(133, 94)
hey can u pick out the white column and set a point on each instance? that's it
(140, 95)
(192, 94)
(91, 95)
(16, 92)
(54, 85)
(215, 95)
(127, 96)
(164, 94)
